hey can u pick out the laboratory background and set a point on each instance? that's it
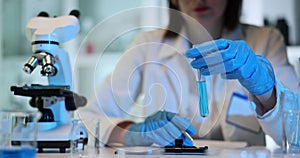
(83, 50)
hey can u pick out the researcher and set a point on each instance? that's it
(152, 98)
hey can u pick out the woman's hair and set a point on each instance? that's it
(231, 17)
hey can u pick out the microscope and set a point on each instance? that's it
(56, 102)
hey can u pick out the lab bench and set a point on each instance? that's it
(215, 149)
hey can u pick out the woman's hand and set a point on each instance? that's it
(161, 128)
(234, 60)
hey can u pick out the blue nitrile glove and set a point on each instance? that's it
(234, 60)
(161, 128)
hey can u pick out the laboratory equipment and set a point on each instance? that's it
(77, 144)
(202, 93)
(25, 122)
(187, 135)
(290, 114)
(138, 150)
(157, 126)
(179, 148)
(203, 101)
(56, 101)
(97, 137)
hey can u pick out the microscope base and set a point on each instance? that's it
(59, 137)
(61, 145)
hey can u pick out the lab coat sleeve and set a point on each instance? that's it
(268, 42)
(276, 52)
(116, 95)
(107, 124)
(120, 89)
(271, 122)
(105, 108)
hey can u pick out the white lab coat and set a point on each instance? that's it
(152, 76)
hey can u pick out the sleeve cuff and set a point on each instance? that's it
(273, 113)
(271, 121)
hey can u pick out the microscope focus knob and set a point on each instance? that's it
(47, 115)
(36, 102)
(49, 70)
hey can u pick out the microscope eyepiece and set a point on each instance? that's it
(75, 13)
(43, 14)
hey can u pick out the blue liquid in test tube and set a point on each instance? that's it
(203, 101)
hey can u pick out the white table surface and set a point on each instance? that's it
(216, 149)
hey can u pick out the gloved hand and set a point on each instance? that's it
(161, 128)
(234, 60)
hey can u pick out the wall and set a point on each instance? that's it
(1, 36)
(297, 12)
(16, 14)
(12, 26)
(98, 19)
(274, 9)
(293, 53)
(94, 12)
(252, 12)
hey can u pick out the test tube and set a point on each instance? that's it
(203, 101)
(97, 137)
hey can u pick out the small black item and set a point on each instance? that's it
(180, 149)
(178, 143)
(75, 13)
(43, 14)
(72, 100)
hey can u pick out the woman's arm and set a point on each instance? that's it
(265, 102)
